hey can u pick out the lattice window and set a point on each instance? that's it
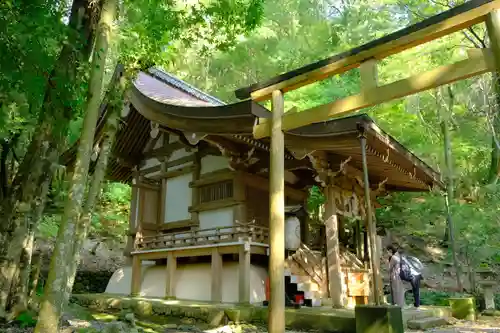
(215, 192)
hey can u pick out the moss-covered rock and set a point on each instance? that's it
(463, 308)
(379, 319)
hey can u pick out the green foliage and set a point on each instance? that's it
(110, 217)
(26, 319)
(435, 298)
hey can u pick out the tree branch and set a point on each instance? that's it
(479, 39)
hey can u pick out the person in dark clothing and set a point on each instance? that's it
(416, 268)
(404, 268)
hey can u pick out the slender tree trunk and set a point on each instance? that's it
(35, 274)
(20, 293)
(93, 194)
(449, 199)
(54, 117)
(56, 290)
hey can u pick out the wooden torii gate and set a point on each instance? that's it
(365, 57)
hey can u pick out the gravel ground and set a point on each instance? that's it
(483, 325)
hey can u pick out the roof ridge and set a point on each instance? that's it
(168, 78)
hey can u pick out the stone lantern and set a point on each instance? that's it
(487, 282)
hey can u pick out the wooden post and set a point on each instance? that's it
(171, 268)
(163, 204)
(244, 273)
(239, 194)
(493, 27)
(371, 224)
(359, 239)
(195, 193)
(135, 289)
(277, 218)
(132, 225)
(332, 249)
(305, 234)
(369, 74)
(216, 268)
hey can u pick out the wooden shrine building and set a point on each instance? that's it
(199, 222)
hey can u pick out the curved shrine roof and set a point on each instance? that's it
(159, 97)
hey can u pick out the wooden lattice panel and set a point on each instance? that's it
(216, 191)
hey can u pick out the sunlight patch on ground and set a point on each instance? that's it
(104, 316)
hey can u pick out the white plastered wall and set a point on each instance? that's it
(178, 198)
(179, 195)
(191, 282)
(211, 163)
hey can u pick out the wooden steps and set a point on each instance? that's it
(306, 269)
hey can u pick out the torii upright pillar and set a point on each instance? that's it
(277, 219)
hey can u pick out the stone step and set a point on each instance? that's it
(426, 323)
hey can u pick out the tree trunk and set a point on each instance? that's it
(93, 193)
(56, 290)
(54, 117)
(14, 238)
(20, 292)
(35, 274)
(449, 199)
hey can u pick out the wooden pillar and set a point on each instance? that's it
(195, 196)
(493, 27)
(359, 239)
(171, 268)
(371, 223)
(305, 234)
(332, 249)
(132, 225)
(239, 194)
(135, 289)
(277, 218)
(163, 204)
(216, 270)
(244, 273)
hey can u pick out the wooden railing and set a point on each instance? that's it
(198, 237)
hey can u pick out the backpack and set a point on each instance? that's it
(417, 268)
(405, 269)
